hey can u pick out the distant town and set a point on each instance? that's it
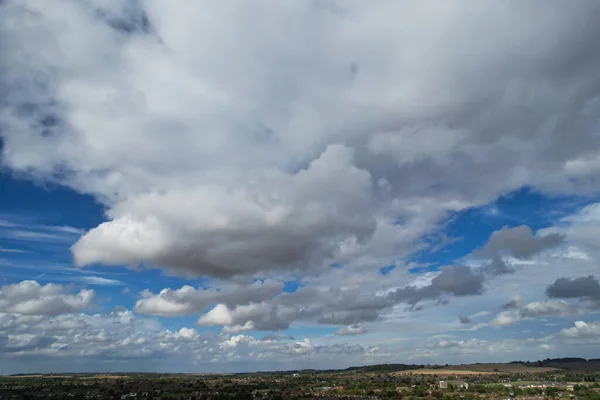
(568, 378)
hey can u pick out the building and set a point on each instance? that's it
(453, 384)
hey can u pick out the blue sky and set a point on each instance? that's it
(398, 183)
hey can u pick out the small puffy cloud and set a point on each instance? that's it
(585, 287)
(273, 337)
(456, 280)
(515, 302)
(498, 266)
(586, 331)
(505, 318)
(185, 334)
(519, 242)
(351, 330)
(547, 309)
(245, 317)
(536, 309)
(29, 297)
(188, 300)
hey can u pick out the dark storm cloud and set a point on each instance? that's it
(586, 287)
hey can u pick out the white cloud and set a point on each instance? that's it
(582, 331)
(351, 330)
(505, 318)
(187, 300)
(29, 297)
(536, 309)
(100, 281)
(547, 308)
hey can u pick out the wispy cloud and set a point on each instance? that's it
(100, 281)
(33, 232)
(36, 236)
(7, 250)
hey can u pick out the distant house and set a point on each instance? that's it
(454, 384)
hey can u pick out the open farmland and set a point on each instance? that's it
(477, 369)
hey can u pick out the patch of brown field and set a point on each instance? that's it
(441, 372)
(39, 376)
(505, 368)
(106, 377)
(477, 369)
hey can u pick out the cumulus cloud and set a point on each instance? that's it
(263, 306)
(351, 330)
(122, 338)
(187, 300)
(585, 287)
(505, 318)
(515, 302)
(519, 242)
(456, 280)
(251, 149)
(29, 297)
(547, 309)
(536, 309)
(581, 331)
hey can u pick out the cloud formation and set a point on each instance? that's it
(187, 300)
(255, 149)
(518, 242)
(351, 330)
(585, 287)
(536, 309)
(31, 298)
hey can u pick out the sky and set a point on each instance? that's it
(202, 186)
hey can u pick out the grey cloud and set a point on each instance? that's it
(497, 266)
(351, 330)
(585, 287)
(516, 311)
(514, 303)
(277, 337)
(349, 317)
(457, 280)
(548, 308)
(188, 300)
(26, 343)
(519, 242)
(327, 304)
